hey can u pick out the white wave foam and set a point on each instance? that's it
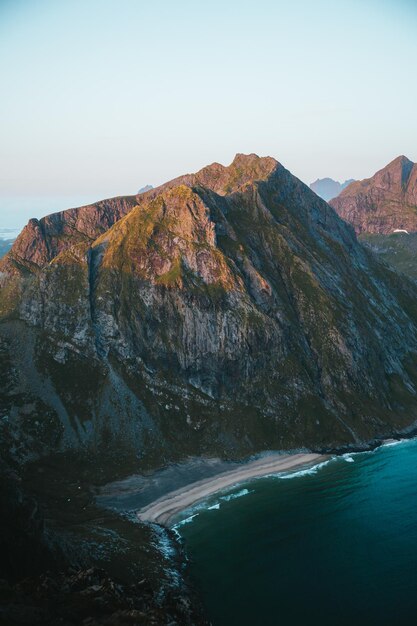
(202, 506)
(308, 471)
(176, 533)
(187, 520)
(388, 444)
(233, 496)
(163, 542)
(168, 550)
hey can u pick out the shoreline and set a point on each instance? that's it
(163, 510)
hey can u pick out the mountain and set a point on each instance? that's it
(327, 188)
(145, 189)
(224, 312)
(383, 203)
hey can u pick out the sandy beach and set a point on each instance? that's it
(166, 508)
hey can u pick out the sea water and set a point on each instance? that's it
(335, 544)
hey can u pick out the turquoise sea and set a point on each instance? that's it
(335, 544)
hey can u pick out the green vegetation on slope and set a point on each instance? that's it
(397, 249)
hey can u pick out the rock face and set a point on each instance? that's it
(327, 188)
(90, 596)
(83, 564)
(42, 240)
(222, 313)
(383, 203)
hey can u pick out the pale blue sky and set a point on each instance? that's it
(100, 97)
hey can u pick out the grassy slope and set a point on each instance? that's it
(397, 249)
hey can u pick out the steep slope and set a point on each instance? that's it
(327, 188)
(383, 203)
(229, 311)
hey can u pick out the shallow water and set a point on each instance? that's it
(334, 545)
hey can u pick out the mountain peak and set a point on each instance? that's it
(244, 169)
(396, 172)
(249, 160)
(401, 166)
(145, 189)
(223, 179)
(399, 160)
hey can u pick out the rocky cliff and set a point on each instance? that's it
(383, 203)
(42, 240)
(224, 312)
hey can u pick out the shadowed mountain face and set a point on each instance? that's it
(327, 188)
(224, 312)
(383, 203)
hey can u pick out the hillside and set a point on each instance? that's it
(397, 249)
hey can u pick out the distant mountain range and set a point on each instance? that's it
(145, 189)
(327, 188)
(7, 237)
(5, 246)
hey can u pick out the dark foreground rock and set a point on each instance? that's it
(84, 565)
(89, 597)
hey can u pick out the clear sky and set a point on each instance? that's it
(100, 97)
